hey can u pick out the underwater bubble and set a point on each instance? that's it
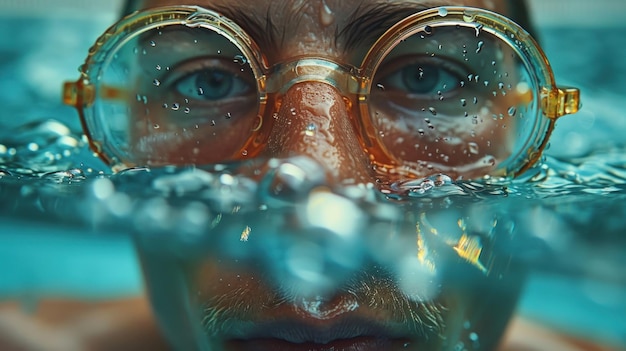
(102, 188)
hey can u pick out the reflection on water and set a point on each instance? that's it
(441, 243)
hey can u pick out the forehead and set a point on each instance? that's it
(329, 28)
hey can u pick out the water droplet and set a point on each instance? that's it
(512, 111)
(244, 152)
(200, 91)
(463, 102)
(310, 129)
(326, 15)
(152, 43)
(380, 87)
(473, 148)
(443, 12)
(428, 30)
(240, 59)
(156, 82)
(420, 131)
(228, 116)
(187, 110)
(469, 16)
(432, 111)
(175, 106)
(158, 67)
(156, 126)
(478, 29)
(165, 105)
(480, 47)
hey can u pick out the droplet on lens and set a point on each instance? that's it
(175, 106)
(152, 43)
(512, 111)
(473, 148)
(432, 111)
(156, 82)
(240, 59)
(443, 12)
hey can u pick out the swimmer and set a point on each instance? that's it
(370, 101)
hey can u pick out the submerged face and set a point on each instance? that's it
(239, 308)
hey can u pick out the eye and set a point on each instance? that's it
(420, 76)
(213, 81)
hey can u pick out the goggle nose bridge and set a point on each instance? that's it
(281, 77)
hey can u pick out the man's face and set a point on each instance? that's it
(241, 309)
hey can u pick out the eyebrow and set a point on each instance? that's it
(364, 25)
(368, 22)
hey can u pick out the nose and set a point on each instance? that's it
(315, 120)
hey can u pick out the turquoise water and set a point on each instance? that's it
(65, 220)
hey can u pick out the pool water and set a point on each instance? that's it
(65, 219)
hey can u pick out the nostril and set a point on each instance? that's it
(291, 179)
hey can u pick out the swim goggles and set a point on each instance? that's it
(452, 89)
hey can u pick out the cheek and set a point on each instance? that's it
(444, 140)
(182, 135)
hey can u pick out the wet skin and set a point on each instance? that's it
(244, 312)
